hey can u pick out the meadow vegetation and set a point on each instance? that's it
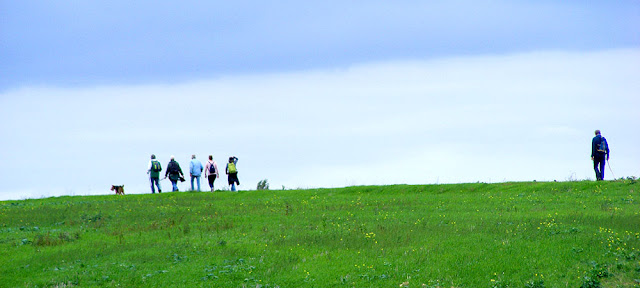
(529, 234)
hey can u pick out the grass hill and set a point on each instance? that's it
(564, 234)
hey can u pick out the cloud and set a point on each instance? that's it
(463, 119)
(137, 42)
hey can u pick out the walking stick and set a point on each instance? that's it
(614, 176)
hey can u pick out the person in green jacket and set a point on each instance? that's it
(154, 174)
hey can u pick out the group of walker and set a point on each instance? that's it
(599, 155)
(174, 173)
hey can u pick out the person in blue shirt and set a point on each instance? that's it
(195, 169)
(599, 151)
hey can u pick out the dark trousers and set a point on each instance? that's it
(212, 179)
(156, 181)
(598, 166)
(233, 179)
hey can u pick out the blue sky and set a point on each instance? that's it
(114, 42)
(315, 93)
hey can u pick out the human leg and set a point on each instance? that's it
(233, 179)
(598, 167)
(198, 180)
(158, 185)
(211, 178)
(155, 182)
(192, 178)
(175, 185)
(152, 180)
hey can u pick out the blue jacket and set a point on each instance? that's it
(195, 168)
(594, 147)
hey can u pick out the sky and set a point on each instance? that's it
(314, 93)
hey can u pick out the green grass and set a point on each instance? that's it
(569, 234)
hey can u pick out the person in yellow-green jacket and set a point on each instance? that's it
(232, 172)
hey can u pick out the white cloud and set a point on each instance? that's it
(484, 118)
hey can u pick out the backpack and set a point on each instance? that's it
(232, 168)
(155, 166)
(603, 146)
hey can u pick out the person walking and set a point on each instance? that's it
(174, 172)
(232, 172)
(195, 170)
(211, 170)
(599, 152)
(154, 174)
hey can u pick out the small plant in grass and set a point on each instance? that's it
(50, 240)
(263, 185)
(592, 280)
(534, 284)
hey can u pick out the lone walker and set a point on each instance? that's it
(599, 151)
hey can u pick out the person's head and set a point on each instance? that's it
(193, 156)
(210, 157)
(173, 157)
(153, 156)
(597, 132)
(230, 159)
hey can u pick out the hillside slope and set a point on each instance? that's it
(460, 235)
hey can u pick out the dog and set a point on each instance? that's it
(119, 189)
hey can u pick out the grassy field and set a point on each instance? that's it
(564, 234)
